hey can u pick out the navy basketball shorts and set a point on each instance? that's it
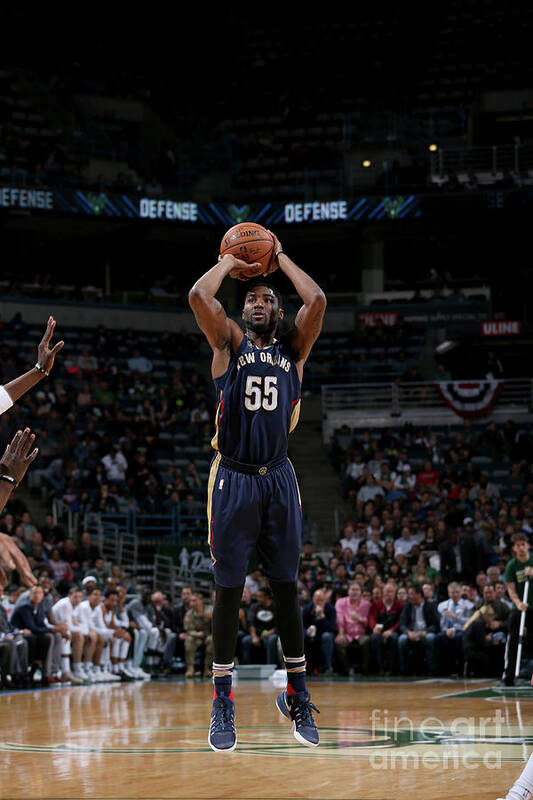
(253, 506)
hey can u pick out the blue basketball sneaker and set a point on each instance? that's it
(299, 708)
(222, 735)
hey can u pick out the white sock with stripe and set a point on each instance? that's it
(523, 787)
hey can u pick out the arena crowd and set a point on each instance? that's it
(415, 580)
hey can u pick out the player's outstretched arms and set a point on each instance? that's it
(308, 322)
(220, 331)
(11, 392)
(13, 465)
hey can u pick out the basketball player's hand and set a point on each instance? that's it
(237, 266)
(12, 557)
(45, 355)
(16, 460)
(274, 263)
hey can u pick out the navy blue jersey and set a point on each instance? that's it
(258, 403)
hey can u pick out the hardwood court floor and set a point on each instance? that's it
(419, 741)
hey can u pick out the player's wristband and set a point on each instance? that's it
(276, 257)
(8, 479)
(5, 400)
(42, 369)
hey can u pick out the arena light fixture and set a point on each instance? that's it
(446, 347)
(433, 148)
(367, 163)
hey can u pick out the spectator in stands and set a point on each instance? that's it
(428, 477)
(309, 559)
(354, 471)
(483, 486)
(115, 464)
(375, 545)
(100, 573)
(352, 642)
(27, 525)
(29, 618)
(349, 537)
(453, 614)
(340, 447)
(458, 557)
(262, 634)
(404, 482)
(139, 363)
(340, 582)
(9, 599)
(423, 572)
(87, 552)
(483, 648)
(384, 623)
(197, 625)
(404, 545)
(61, 570)
(52, 533)
(13, 651)
(255, 581)
(87, 362)
(54, 476)
(167, 636)
(370, 491)
(500, 590)
(320, 626)
(419, 623)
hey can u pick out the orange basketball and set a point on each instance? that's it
(250, 242)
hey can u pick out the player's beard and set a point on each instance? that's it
(261, 326)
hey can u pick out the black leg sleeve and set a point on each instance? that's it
(288, 617)
(225, 623)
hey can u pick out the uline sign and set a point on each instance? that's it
(500, 328)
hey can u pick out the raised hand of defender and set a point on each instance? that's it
(12, 557)
(45, 355)
(274, 263)
(17, 458)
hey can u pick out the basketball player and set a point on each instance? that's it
(522, 789)
(11, 392)
(253, 495)
(16, 460)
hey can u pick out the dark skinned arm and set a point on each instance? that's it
(222, 333)
(308, 322)
(45, 357)
(14, 463)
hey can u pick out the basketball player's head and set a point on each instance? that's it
(262, 308)
(94, 597)
(110, 598)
